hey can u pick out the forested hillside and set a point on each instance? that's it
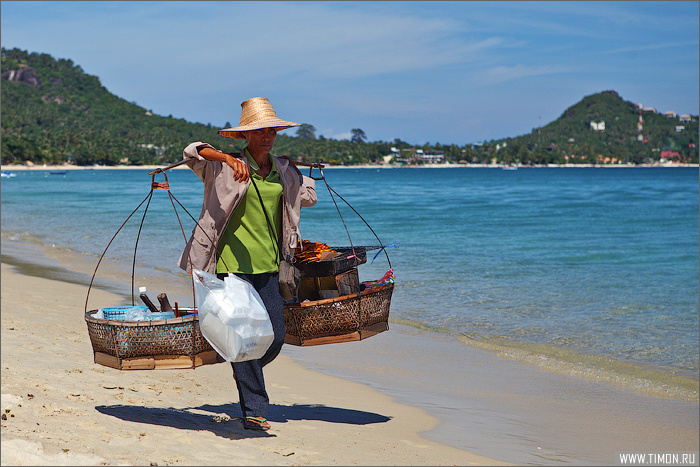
(53, 112)
(571, 138)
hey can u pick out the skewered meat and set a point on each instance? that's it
(313, 251)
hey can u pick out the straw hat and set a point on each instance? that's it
(257, 113)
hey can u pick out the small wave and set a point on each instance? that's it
(657, 382)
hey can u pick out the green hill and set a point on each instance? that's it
(53, 112)
(572, 138)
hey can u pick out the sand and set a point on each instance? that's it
(61, 408)
(405, 397)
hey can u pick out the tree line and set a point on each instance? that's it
(55, 113)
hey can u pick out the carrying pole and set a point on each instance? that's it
(311, 167)
(176, 164)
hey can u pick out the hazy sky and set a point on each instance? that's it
(447, 72)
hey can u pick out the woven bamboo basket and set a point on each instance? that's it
(145, 345)
(343, 319)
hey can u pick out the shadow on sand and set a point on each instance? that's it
(220, 419)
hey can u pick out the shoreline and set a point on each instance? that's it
(644, 379)
(494, 406)
(49, 382)
(659, 381)
(29, 256)
(9, 168)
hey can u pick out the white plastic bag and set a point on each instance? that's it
(232, 316)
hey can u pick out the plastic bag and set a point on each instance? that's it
(232, 316)
(145, 315)
(131, 313)
(289, 278)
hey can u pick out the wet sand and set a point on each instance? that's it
(508, 409)
(62, 409)
(403, 397)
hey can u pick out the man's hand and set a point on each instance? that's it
(240, 168)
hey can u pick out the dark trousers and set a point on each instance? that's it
(249, 375)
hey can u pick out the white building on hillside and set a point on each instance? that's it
(600, 126)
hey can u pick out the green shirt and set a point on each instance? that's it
(247, 245)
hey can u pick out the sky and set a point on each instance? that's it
(455, 72)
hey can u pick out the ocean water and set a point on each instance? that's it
(591, 262)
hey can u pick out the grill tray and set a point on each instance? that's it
(335, 266)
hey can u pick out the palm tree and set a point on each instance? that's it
(306, 131)
(358, 136)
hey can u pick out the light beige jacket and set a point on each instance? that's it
(222, 194)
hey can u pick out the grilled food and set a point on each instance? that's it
(313, 251)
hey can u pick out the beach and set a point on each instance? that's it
(382, 401)
(459, 378)
(63, 409)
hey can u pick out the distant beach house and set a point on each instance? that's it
(159, 150)
(600, 126)
(670, 113)
(685, 118)
(418, 156)
(432, 157)
(669, 156)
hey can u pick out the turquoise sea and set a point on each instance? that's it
(593, 262)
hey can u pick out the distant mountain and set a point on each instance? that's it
(53, 112)
(604, 126)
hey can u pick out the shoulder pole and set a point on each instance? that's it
(159, 170)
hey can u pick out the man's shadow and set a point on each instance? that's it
(225, 420)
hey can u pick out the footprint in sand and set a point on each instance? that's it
(80, 397)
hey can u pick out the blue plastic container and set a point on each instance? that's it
(119, 312)
(134, 313)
